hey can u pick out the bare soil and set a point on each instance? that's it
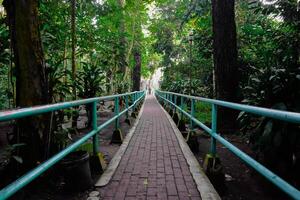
(241, 181)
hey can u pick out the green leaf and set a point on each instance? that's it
(18, 159)
(267, 133)
(18, 145)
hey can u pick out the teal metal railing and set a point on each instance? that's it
(169, 98)
(25, 112)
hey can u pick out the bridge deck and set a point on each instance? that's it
(153, 166)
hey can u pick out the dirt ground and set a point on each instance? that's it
(51, 185)
(241, 181)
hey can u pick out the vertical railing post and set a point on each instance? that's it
(133, 113)
(213, 148)
(117, 112)
(133, 101)
(175, 102)
(192, 113)
(126, 105)
(171, 105)
(170, 99)
(136, 96)
(127, 120)
(94, 126)
(181, 102)
(166, 102)
(117, 136)
(181, 123)
(181, 105)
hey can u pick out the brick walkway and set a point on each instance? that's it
(153, 166)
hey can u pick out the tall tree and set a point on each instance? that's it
(122, 61)
(136, 74)
(225, 60)
(73, 41)
(31, 81)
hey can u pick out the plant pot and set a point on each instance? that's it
(76, 170)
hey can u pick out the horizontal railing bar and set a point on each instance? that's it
(267, 112)
(275, 179)
(31, 175)
(36, 110)
(117, 116)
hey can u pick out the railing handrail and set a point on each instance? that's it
(35, 110)
(281, 115)
(288, 116)
(18, 184)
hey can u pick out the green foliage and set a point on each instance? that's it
(270, 77)
(193, 87)
(185, 45)
(88, 146)
(203, 112)
(10, 153)
(59, 86)
(272, 139)
(98, 36)
(90, 81)
(269, 86)
(270, 73)
(5, 91)
(61, 138)
(99, 42)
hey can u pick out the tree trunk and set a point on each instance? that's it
(225, 61)
(122, 62)
(136, 75)
(108, 81)
(31, 81)
(65, 64)
(73, 57)
(73, 38)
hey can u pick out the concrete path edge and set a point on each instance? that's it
(204, 186)
(115, 161)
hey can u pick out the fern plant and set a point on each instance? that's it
(90, 82)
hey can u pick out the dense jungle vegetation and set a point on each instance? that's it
(87, 48)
